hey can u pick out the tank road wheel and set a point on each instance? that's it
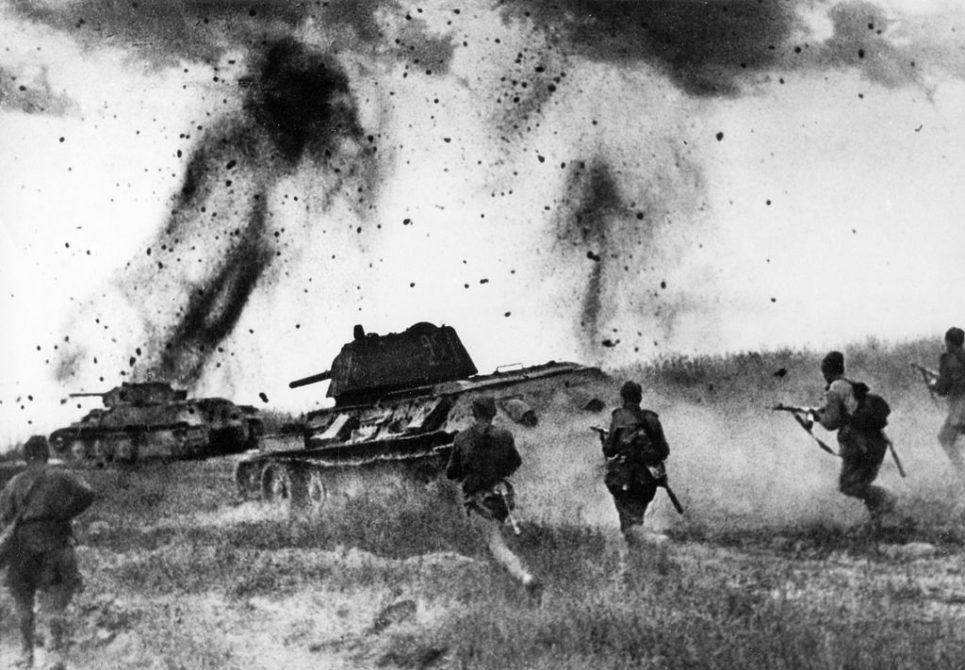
(316, 493)
(79, 450)
(127, 447)
(307, 491)
(276, 485)
(246, 478)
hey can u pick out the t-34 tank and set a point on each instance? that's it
(400, 399)
(152, 420)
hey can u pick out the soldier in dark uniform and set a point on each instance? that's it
(861, 450)
(634, 445)
(42, 500)
(951, 384)
(483, 457)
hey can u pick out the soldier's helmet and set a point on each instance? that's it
(484, 407)
(36, 448)
(833, 363)
(631, 392)
(955, 335)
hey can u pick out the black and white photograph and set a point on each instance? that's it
(482, 334)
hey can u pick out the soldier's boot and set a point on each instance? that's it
(24, 604)
(880, 503)
(534, 588)
(58, 642)
(640, 537)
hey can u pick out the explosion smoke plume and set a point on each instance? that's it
(386, 162)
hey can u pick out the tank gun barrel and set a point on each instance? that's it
(88, 395)
(311, 379)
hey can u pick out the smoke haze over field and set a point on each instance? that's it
(215, 192)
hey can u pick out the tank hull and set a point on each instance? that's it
(157, 429)
(406, 434)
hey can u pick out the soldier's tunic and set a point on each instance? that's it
(482, 457)
(627, 478)
(44, 560)
(951, 384)
(862, 452)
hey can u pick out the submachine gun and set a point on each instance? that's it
(504, 490)
(658, 472)
(803, 417)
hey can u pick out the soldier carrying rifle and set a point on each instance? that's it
(859, 417)
(483, 457)
(635, 449)
(949, 382)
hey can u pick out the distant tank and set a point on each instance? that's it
(152, 420)
(400, 399)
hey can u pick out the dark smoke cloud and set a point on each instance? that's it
(618, 231)
(32, 94)
(301, 100)
(716, 48)
(297, 109)
(706, 48)
(858, 42)
(212, 311)
(298, 105)
(585, 224)
(163, 32)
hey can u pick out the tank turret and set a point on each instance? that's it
(142, 393)
(153, 420)
(373, 365)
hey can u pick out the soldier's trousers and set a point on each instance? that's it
(861, 458)
(953, 427)
(491, 533)
(631, 501)
(52, 573)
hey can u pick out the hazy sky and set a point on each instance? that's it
(215, 192)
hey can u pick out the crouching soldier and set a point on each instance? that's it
(635, 448)
(40, 502)
(483, 457)
(862, 443)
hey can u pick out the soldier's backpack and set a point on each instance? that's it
(635, 443)
(872, 411)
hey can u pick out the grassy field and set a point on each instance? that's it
(769, 568)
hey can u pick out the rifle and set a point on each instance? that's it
(503, 492)
(658, 472)
(928, 376)
(800, 414)
(894, 455)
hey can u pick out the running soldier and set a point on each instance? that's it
(951, 384)
(483, 457)
(634, 444)
(42, 500)
(862, 448)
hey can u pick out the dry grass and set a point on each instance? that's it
(770, 568)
